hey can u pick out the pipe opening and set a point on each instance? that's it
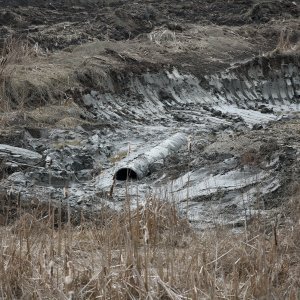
(125, 174)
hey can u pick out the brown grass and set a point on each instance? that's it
(14, 53)
(285, 45)
(148, 253)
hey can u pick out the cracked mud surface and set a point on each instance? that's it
(141, 74)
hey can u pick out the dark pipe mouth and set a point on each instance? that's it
(125, 174)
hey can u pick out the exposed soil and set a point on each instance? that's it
(58, 24)
(91, 84)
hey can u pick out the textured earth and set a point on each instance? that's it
(92, 87)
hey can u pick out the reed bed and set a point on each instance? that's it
(147, 253)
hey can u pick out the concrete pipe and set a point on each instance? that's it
(139, 166)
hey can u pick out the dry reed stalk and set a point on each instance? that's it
(154, 254)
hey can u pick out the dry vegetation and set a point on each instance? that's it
(148, 253)
(14, 52)
(285, 45)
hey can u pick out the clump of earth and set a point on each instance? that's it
(92, 87)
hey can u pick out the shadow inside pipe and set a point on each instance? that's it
(125, 174)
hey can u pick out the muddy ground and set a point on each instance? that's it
(88, 86)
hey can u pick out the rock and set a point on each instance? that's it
(18, 178)
(19, 155)
(267, 110)
(80, 200)
(257, 127)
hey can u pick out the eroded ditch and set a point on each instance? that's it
(238, 155)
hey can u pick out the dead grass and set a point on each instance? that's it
(285, 44)
(148, 253)
(15, 52)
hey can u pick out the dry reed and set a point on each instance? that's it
(147, 253)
